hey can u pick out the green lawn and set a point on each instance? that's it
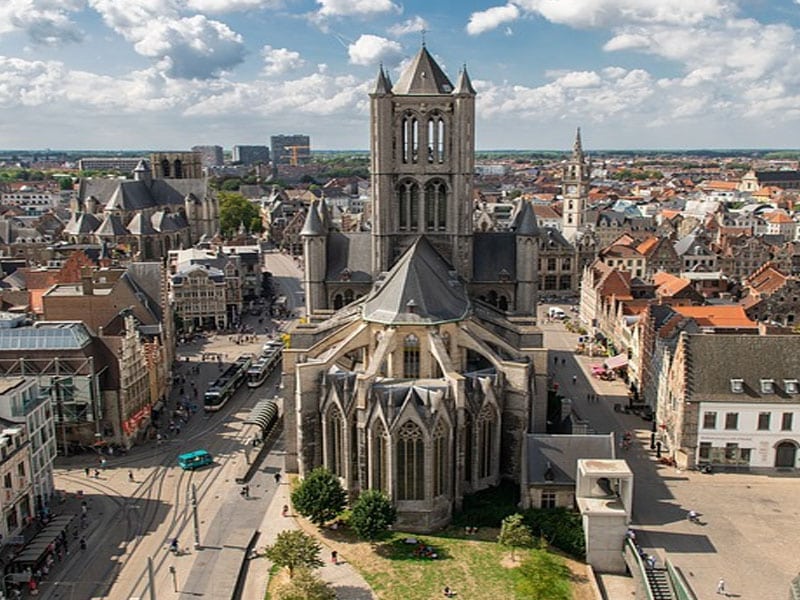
(472, 566)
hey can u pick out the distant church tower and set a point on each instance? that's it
(422, 151)
(574, 190)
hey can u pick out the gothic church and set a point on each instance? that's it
(420, 367)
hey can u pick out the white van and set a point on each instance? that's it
(555, 312)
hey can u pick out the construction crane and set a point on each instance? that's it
(294, 153)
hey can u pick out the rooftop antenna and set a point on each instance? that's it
(423, 32)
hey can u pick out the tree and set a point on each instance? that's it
(293, 549)
(235, 209)
(515, 534)
(372, 515)
(320, 496)
(305, 585)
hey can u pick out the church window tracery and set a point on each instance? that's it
(408, 205)
(335, 442)
(486, 437)
(380, 458)
(435, 205)
(411, 357)
(440, 463)
(410, 462)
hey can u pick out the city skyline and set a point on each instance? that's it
(634, 74)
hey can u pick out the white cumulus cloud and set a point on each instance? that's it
(194, 47)
(46, 22)
(373, 49)
(349, 8)
(226, 6)
(610, 13)
(413, 25)
(491, 18)
(280, 60)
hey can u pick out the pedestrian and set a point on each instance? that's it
(130, 476)
(83, 543)
(97, 473)
(103, 463)
(285, 510)
(278, 478)
(563, 361)
(721, 586)
(87, 471)
(574, 379)
(555, 360)
(334, 557)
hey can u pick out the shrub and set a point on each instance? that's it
(561, 528)
(488, 507)
(372, 515)
(320, 496)
(305, 585)
(515, 534)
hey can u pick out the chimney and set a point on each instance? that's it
(87, 283)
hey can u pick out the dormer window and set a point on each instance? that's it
(767, 386)
(791, 386)
(737, 386)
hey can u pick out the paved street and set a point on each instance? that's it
(750, 521)
(131, 521)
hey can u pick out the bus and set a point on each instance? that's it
(225, 386)
(265, 364)
(194, 460)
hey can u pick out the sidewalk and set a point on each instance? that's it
(346, 581)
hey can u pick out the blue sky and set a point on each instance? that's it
(169, 74)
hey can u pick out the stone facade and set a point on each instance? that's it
(425, 380)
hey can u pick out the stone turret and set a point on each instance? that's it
(315, 241)
(527, 232)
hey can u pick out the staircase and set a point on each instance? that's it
(660, 589)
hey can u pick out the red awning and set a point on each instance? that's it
(617, 362)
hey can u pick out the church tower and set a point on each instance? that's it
(574, 190)
(422, 163)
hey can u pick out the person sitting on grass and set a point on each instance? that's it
(448, 593)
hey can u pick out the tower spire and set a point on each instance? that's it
(577, 147)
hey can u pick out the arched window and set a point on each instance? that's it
(411, 357)
(435, 206)
(436, 139)
(348, 296)
(335, 442)
(338, 302)
(406, 137)
(492, 298)
(414, 140)
(486, 437)
(408, 205)
(502, 303)
(410, 463)
(178, 169)
(441, 467)
(380, 458)
(165, 169)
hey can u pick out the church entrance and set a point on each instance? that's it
(785, 454)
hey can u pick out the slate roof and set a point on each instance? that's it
(561, 453)
(111, 226)
(422, 287)
(136, 195)
(313, 224)
(713, 360)
(82, 224)
(351, 251)
(423, 76)
(141, 225)
(524, 222)
(492, 253)
(145, 277)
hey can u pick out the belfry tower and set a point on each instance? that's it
(422, 153)
(575, 179)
